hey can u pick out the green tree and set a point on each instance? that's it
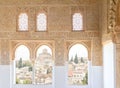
(17, 81)
(26, 63)
(71, 60)
(20, 63)
(76, 59)
(85, 79)
(82, 60)
(49, 70)
(26, 81)
(30, 68)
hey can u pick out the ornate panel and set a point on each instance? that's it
(112, 12)
(96, 52)
(92, 18)
(59, 19)
(59, 52)
(5, 52)
(32, 45)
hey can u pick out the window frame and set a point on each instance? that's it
(83, 28)
(19, 30)
(14, 65)
(52, 55)
(36, 28)
(88, 65)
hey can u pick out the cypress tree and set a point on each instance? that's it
(76, 59)
(20, 63)
(71, 60)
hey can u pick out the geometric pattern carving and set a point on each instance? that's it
(59, 52)
(112, 15)
(77, 21)
(31, 44)
(59, 36)
(23, 22)
(41, 22)
(5, 52)
(97, 52)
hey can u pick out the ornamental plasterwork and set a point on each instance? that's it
(77, 9)
(22, 9)
(42, 9)
(112, 15)
(33, 45)
(5, 52)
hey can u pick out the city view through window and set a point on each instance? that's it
(38, 73)
(78, 65)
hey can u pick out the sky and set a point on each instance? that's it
(78, 49)
(40, 50)
(23, 52)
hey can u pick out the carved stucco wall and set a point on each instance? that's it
(111, 29)
(104, 18)
(5, 51)
(32, 45)
(59, 15)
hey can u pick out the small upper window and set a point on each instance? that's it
(41, 22)
(23, 22)
(77, 22)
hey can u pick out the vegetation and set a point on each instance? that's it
(27, 81)
(30, 68)
(78, 62)
(82, 60)
(20, 63)
(76, 59)
(71, 60)
(85, 79)
(17, 81)
(49, 70)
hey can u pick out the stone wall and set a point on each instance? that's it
(59, 26)
(111, 30)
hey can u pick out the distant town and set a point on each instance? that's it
(78, 71)
(39, 73)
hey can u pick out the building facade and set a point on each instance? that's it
(51, 23)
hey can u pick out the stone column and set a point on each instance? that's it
(59, 52)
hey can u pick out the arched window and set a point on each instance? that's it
(77, 22)
(23, 66)
(43, 65)
(23, 22)
(41, 22)
(78, 65)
